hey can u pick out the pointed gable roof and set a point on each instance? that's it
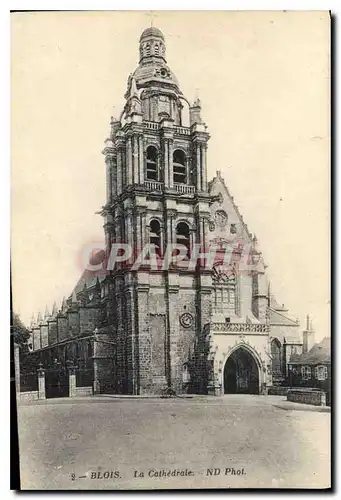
(279, 318)
(218, 184)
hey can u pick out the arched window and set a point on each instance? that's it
(147, 49)
(179, 167)
(151, 170)
(224, 288)
(156, 49)
(155, 235)
(182, 236)
(306, 372)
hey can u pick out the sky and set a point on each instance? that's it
(263, 79)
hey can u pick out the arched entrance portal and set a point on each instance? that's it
(241, 373)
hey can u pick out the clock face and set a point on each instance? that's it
(220, 218)
(186, 320)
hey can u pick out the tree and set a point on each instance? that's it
(20, 333)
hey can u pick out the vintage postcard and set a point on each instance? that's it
(171, 322)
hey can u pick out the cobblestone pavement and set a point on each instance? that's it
(231, 442)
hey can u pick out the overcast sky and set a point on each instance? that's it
(263, 80)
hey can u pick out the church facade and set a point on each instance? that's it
(184, 327)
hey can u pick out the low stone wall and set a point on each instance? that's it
(307, 396)
(278, 390)
(84, 391)
(28, 396)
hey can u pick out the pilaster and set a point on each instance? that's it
(41, 383)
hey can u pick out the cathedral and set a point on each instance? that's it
(146, 329)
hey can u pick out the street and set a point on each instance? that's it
(235, 441)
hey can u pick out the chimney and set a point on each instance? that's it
(308, 336)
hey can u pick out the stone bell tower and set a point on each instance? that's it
(157, 194)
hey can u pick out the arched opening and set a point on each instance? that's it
(151, 168)
(182, 236)
(241, 373)
(179, 167)
(155, 235)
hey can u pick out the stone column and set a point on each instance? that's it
(202, 232)
(171, 215)
(129, 232)
(140, 228)
(72, 381)
(144, 341)
(129, 161)
(136, 159)
(166, 162)
(132, 357)
(145, 235)
(41, 382)
(170, 162)
(141, 160)
(198, 165)
(204, 166)
(119, 171)
(113, 163)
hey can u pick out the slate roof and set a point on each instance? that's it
(318, 354)
(278, 318)
(89, 279)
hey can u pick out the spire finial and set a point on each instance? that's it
(151, 15)
(54, 309)
(64, 305)
(47, 314)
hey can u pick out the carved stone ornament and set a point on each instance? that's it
(220, 218)
(186, 320)
(211, 224)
